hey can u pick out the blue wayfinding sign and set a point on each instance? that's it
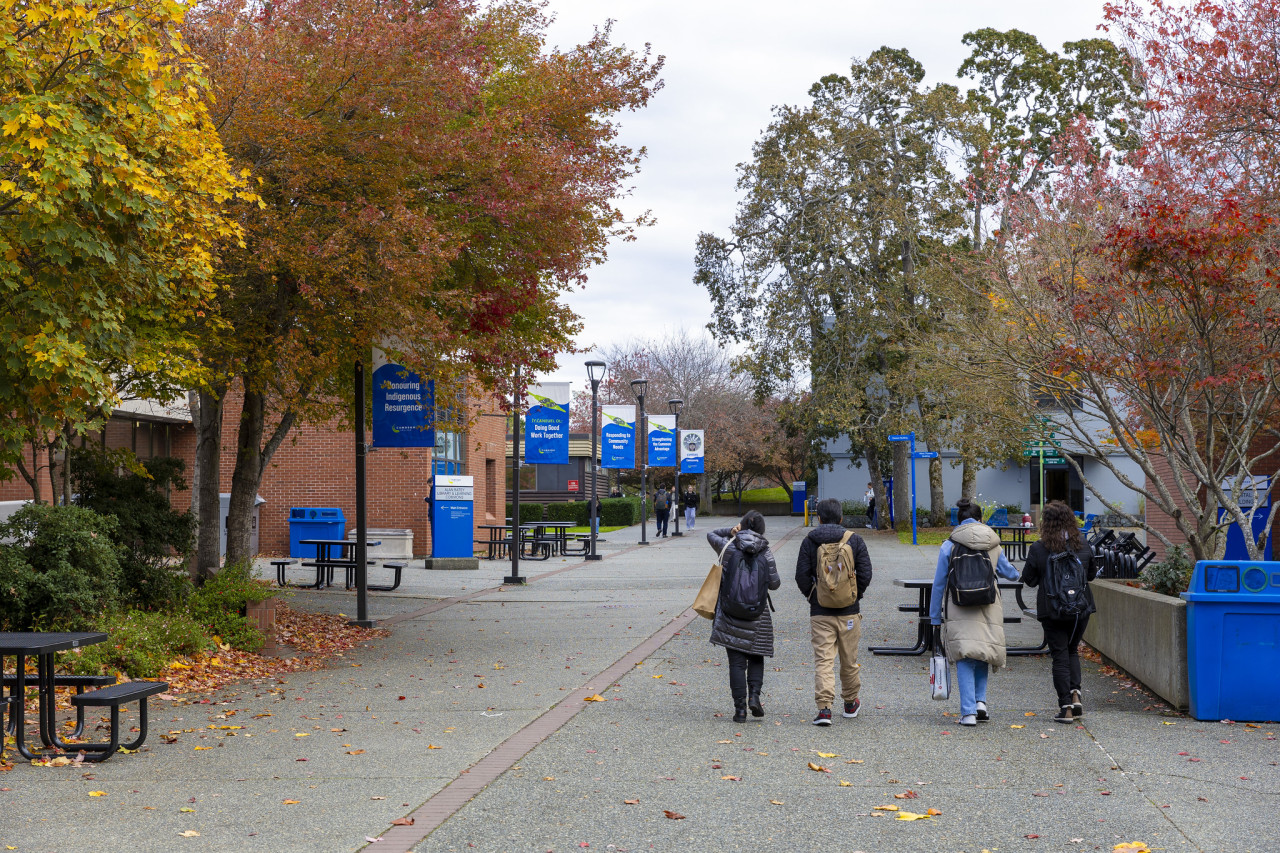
(662, 441)
(546, 425)
(403, 408)
(618, 437)
(452, 512)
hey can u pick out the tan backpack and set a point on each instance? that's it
(836, 585)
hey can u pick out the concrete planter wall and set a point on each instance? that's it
(1145, 633)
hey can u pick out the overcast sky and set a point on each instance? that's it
(727, 65)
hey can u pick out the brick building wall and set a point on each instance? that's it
(315, 466)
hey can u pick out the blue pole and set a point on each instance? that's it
(913, 488)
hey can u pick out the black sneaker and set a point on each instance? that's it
(1077, 709)
(982, 714)
(1065, 715)
(851, 709)
(823, 718)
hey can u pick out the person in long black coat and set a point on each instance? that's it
(747, 642)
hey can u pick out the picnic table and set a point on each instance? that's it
(21, 645)
(332, 554)
(1013, 538)
(551, 538)
(924, 630)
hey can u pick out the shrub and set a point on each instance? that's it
(577, 512)
(141, 644)
(529, 512)
(1171, 576)
(220, 604)
(152, 540)
(60, 569)
(619, 512)
(852, 508)
(1014, 509)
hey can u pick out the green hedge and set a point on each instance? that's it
(578, 512)
(529, 512)
(620, 512)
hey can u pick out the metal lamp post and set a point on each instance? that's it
(596, 371)
(675, 406)
(638, 387)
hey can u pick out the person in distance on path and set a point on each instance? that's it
(661, 511)
(747, 641)
(974, 636)
(1058, 533)
(833, 631)
(691, 499)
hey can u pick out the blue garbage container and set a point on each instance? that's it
(1233, 640)
(798, 493)
(314, 522)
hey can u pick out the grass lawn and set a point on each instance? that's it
(935, 536)
(588, 529)
(759, 496)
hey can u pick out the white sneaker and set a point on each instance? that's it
(969, 720)
(982, 714)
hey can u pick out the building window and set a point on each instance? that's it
(491, 487)
(450, 450)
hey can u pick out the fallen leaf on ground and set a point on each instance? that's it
(776, 802)
(932, 812)
(911, 816)
(844, 784)
(828, 755)
(854, 761)
(1031, 835)
(355, 752)
(885, 808)
(907, 795)
(291, 802)
(1133, 847)
(818, 767)
(595, 698)
(433, 746)
(402, 821)
(672, 815)
(1029, 714)
(732, 778)
(187, 809)
(632, 802)
(190, 833)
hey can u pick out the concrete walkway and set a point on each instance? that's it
(470, 719)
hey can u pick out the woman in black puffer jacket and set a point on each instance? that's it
(747, 641)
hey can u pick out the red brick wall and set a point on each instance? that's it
(315, 466)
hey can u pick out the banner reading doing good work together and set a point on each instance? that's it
(546, 424)
(403, 406)
(618, 437)
(691, 451)
(662, 441)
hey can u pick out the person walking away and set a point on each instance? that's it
(661, 511)
(1060, 566)
(871, 507)
(595, 522)
(746, 634)
(973, 634)
(691, 499)
(835, 627)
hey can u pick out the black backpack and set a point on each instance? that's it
(746, 588)
(1066, 589)
(970, 577)
(660, 500)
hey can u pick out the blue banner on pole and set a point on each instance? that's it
(692, 450)
(403, 408)
(546, 425)
(618, 437)
(662, 441)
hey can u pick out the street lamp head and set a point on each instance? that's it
(596, 371)
(638, 387)
(676, 406)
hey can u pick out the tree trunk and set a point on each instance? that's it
(208, 419)
(902, 485)
(968, 481)
(877, 488)
(937, 500)
(245, 477)
(193, 406)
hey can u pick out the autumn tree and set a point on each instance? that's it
(112, 187)
(433, 179)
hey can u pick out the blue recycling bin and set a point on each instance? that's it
(798, 493)
(314, 522)
(1233, 640)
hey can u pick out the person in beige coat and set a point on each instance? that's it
(973, 636)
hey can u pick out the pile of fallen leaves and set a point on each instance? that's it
(314, 636)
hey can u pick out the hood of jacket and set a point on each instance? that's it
(976, 535)
(750, 542)
(825, 533)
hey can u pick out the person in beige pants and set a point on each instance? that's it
(833, 632)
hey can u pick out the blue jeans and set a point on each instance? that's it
(971, 679)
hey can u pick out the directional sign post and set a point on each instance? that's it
(911, 438)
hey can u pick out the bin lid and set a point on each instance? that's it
(1234, 582)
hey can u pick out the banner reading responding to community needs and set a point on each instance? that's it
(691, 451)
(546, 424)
(618, 437)
(662, 441)
(403, 406)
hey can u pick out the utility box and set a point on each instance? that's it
(1233, 640)
(314, 522)
(224, 509)
(799, 492)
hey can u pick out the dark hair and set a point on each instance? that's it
(966, 509)
(1058, 529)
(753, 520)
(830, 511)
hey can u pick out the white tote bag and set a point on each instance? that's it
(939, 672)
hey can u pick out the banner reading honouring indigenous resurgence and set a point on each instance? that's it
(546, 424)
(691, 451)
(403, 406)
(618, 437)
(662, 441)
